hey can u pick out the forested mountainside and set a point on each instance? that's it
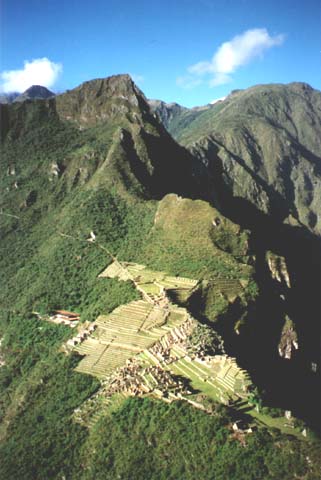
(91, 177)
(261, 145)
(261, 149)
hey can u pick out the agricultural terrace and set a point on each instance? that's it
(127, 331)
(150, 283)
(141, 348)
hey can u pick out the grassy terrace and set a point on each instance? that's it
(227, 286)
(197, 381)
(128, 330)
(223, 380)
(149, 281)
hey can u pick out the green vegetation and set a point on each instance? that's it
(62, 266)
(29, 340)
(227, 240)
(192, 125)
(64, 192)
(38, 392)
(60, 181)
(148, 439)
(249, 136)
(182, 241)
(205, 339)
(185, 124)
(41, 441)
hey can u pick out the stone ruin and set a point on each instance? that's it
(136, 379)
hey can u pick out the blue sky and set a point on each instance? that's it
(188, 51)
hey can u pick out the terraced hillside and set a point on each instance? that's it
(142, 348)
(150, 283)
(128, 330)
(219, 377)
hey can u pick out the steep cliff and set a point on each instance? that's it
(263, 145)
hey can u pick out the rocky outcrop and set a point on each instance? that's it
(11, 170)
(54, 171)
(102, 100)
(278, 268)
(289, 340)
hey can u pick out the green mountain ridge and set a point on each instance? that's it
(118, 114)
(89, 176)
(263, 145)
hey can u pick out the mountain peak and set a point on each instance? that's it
(37, 90)
(100, 99)
(115, 84)
(34, 92)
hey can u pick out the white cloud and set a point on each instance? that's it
(139, 79)
(40, 71)
(220, 79)
(231, 55)
(188, 81)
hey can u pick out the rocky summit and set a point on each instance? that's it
(137, 149)
(159, 296)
